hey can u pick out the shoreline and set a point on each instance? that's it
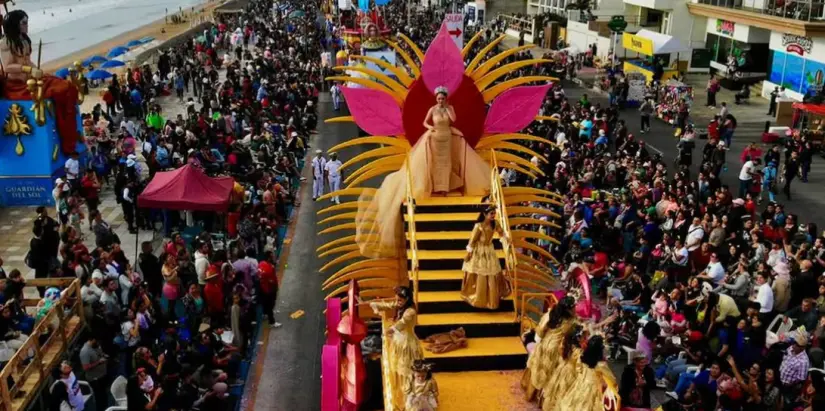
(159, 29)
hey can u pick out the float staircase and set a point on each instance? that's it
(442, 230)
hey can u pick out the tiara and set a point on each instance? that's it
(441, 89)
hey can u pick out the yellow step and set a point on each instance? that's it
(459, 319)
(450, 201)
(445, 254)
(484, 347)
(481, 390)
(442, 235)
(444, 296)
(438, 217)
(438, 275)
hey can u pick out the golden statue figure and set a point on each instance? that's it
(405, 348)
(19, 71)
(484, 284)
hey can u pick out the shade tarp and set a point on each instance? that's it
(651, 43)
(187, 188)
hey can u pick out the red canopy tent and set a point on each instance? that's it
(187, 188)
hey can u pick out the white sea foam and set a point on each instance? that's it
(52, 13)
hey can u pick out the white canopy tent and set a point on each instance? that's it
(663, 43)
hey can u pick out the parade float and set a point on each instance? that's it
(489, 355)
(40, 120)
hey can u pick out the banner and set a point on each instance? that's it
(344, 4)
(638, 44)
(364, 5)
(381, 2)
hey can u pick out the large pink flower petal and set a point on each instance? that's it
(374, 111)
(515, 109)
(443, 64)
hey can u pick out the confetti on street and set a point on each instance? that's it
(297, 314)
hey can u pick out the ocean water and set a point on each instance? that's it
(90, 21)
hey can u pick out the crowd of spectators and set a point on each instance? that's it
(716, 300)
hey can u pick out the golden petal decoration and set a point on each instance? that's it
(399, 72)
(493, 92)
(513, 210)
(412, 47)
(504, 70)
(377, 152)
(370, 84)
(355, 191)
(336, 242)
(416, 71)
(469, 45)
(385, 140)
(494, 138)
(341, 119)
(489, 64)
(396, 87)
(472, 66)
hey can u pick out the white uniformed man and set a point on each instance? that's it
(335, 91)
(319, 171)
(333, 169)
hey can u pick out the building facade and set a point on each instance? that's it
(782, 43)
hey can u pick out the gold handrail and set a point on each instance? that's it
(497, 198)
(531, 296)
(411, 230)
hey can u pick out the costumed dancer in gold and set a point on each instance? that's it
(422, 393)
(544, 359)
(441, 161)
(484, 284)
(592, 380)
(405, 348)
(568, 366)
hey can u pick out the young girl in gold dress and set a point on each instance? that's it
(404, 348)
(592, 380)
(484, 284)
(422, 393)
(550, 332)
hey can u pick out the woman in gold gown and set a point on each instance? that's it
(568, 365)
(439, 162)
(544, 359)
(484, 284)
(592, 379)
(404, 347)
(442, 116)
(422, 393)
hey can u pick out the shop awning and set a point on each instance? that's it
(818, 109)
(651, 43)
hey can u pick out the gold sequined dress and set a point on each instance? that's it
(404, 346)
(587, 392)
(483, 285)
(421, 396)
(545, 357)
(562, 379)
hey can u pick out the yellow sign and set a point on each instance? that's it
(638, 44)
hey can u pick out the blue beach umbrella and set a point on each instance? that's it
(117, 51)
(112, 64)
(99, 75)
(133, 43)
(62, 73)
(94, 60)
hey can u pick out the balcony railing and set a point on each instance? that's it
(810, 11)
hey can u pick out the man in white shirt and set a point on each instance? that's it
(127, 203)
(72, 386)
(715, 272)
(695, 235)
(202, 263)
(333, 169)
(746, 176)
(72, 167)
(319, 165)
(764, 294)
(335, 91)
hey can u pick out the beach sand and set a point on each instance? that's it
(159, 29)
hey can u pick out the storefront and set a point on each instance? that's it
(796, 63)
(748, 44)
